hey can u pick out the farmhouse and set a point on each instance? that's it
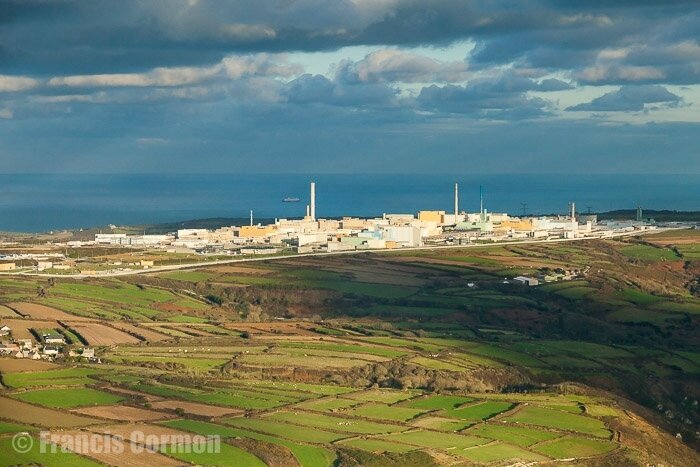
(25, 343)
(524, 280)
(5, 331)
(50, 350)
(53, 338)
(8, 349)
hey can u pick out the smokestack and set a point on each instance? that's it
(573, 211)
(481, 202)
(456, 201)
(251, 218)
(307, 211)
(313, 201)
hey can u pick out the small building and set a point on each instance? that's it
(8, 266)
(42, 265)
(25, 343)
(54, 338)
(8, 349)
(5, 331)
(51, 350)
(524, 280)
(88, 353)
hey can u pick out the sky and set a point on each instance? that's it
(349, 86)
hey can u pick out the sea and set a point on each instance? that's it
(40, 203)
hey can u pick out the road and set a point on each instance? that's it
(175, 267)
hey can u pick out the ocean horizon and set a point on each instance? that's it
(42, 202)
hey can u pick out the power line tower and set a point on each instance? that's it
(524, 205)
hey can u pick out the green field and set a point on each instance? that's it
(441, 441)
(480, 410)
(307, 455)
(648, 253)
(513, 434)
(439, 402)
(228, 456)
(385, 412)
(267, 425)
(541, 416)
(64, 376)
(574, 446)
(499, 452)
(328, 422)
(68, 398)
(10, 457)
(377, 445)
(6, 427)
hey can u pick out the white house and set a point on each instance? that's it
(54, 339)
(524, 280)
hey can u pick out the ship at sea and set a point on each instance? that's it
(290, 200)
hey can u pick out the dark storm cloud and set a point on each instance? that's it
(182, 85)
(630, 98)
(319, 89)
(501, 98)
(108, 36)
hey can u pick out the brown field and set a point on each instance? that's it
(22, 412)
(296, 329)
(127, 458)
(189, 329)
(195, 408)
(36, 311)
(20, 327)
(133, 431)
(14, 365)
(121, 412)
(238, 270)
(99, 334)
(503, 261)
(148, 334)
(683, 237)
(6, 312)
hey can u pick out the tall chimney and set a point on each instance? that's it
(313, 201)
(456, 201)
(251, 218)
(307, 211)
(573, 211)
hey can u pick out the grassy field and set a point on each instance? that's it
(544, 417)
(648, 253)
(306, 455)
(228, 456)
(10, 457)
(68, 398)
(60, 377)
(574, 446)
(480, 410)
(513, 434)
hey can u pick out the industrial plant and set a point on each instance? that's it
(311, 234)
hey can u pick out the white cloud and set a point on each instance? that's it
(391, 65)
(16, 83)
(233, 67)
(605, 73)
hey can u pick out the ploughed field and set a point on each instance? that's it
(429, 358)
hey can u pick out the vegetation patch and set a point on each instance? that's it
(574, 446)
(68, 398)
